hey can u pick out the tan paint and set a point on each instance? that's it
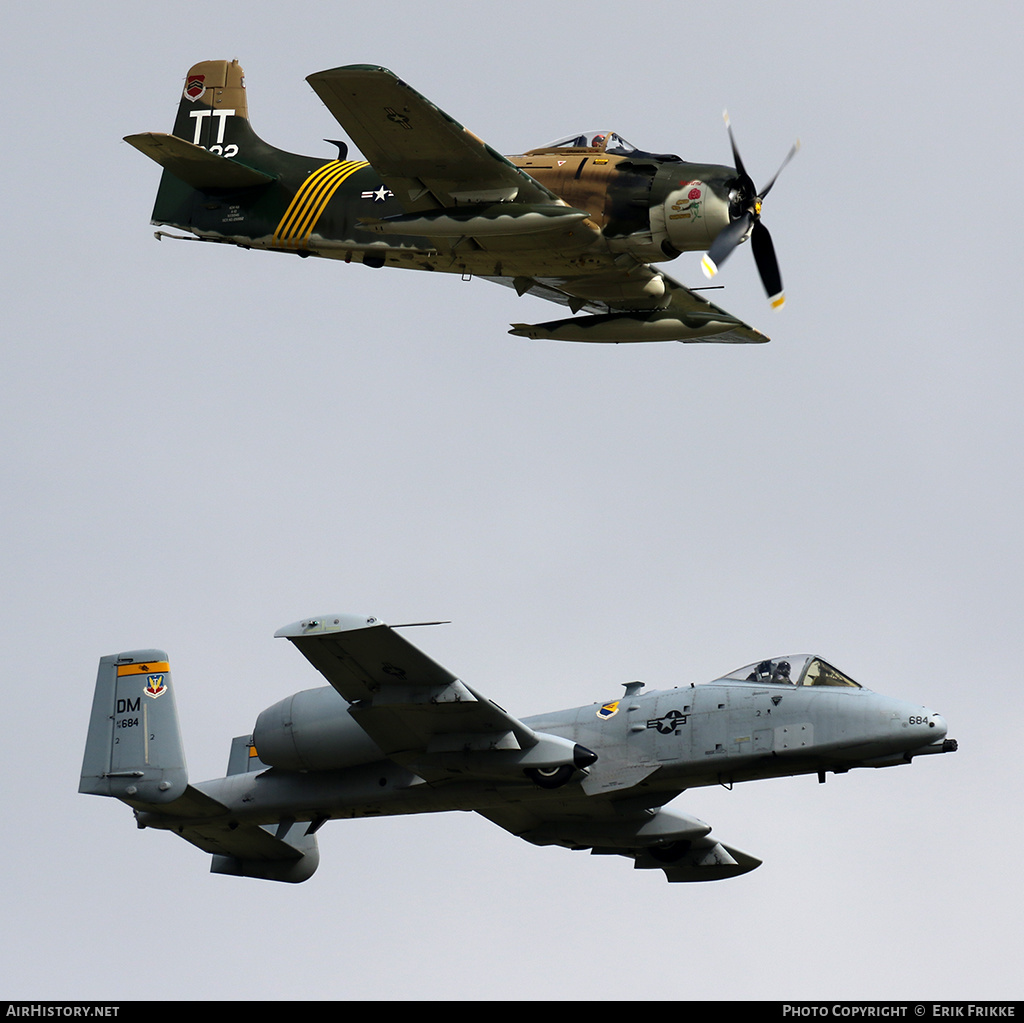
(225, 85)
(557, 169)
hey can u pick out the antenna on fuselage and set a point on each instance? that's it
(342, 153)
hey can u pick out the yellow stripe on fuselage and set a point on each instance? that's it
(311, 200)
(149, 668)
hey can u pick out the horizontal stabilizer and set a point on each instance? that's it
(279, 852)
(196, 166)
(286, 851)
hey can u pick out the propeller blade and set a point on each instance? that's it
(767, 264)
(732, 142)
(726, 240)
(789, 156)
(745, 197)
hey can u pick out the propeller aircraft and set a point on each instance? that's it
(583, 221)
(396, 733)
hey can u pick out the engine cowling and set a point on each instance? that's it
(692, 213)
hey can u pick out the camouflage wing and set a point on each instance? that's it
(427, 159)
(431, 162)
(632, 303)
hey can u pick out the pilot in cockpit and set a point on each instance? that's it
(761, 672)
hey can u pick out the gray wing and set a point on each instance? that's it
(420, 714)
(654, 838)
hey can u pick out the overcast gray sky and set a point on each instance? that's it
(202, 444)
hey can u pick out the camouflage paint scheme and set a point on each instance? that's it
(580, 223)
(396, 733)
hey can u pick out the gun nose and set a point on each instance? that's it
(938, 723)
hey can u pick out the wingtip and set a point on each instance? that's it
(321, 624)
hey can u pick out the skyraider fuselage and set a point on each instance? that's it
(635, 203)
(396, 733)
(581, 222)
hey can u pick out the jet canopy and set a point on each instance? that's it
(792, 670)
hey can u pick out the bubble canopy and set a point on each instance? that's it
(605, 141)
(792, 670)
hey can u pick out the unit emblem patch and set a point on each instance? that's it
(155, 686)
(195, 87)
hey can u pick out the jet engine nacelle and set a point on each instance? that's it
(312, 731)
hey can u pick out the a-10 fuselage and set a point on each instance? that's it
(397, 733)
(323, 762)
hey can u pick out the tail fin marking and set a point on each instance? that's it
(213, 110)
(133, 750)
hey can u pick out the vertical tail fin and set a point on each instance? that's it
(243, 757)
(214, 111)
(212, 122)
(133, 751)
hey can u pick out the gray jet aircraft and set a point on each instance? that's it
(396, 733)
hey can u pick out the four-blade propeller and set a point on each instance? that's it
(745, 215)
